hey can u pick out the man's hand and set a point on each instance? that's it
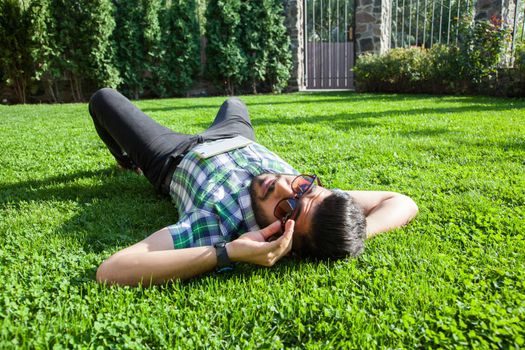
(252, 247)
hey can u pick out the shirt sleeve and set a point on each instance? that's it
(195, 229)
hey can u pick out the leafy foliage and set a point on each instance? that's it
(180, 47)
(251, 51)
(140, 46)
(15, 43)
(397, 69)
(157, 46)
(462, 69)
(277, 43)
(82, 31)
(520, 57)
(128, 38)
(226, 60)
(481, 47)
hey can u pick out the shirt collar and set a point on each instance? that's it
(245, 203)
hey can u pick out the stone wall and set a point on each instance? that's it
(295, 24)
(373, 26)
(501, 10)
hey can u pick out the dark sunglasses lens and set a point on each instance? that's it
(302, 184)
(285, 208)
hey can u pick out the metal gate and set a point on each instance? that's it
(329, 44)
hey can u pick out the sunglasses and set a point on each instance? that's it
(288, 208)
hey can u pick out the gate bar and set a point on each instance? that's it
(305, 33)
(417, 21)
(514, 30)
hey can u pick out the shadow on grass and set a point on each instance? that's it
(271, 100)
(349, 121)
(345, 97)
(111, 208)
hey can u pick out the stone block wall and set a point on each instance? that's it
(502, 10)
(295, 24)
(373, 26)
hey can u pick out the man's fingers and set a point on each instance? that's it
(270, 230)
(284, 243)
(289, 228)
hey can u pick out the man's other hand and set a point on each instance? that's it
(252, 247)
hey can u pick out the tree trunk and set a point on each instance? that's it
(72, 86)
(79, 89)
(49, 90)
(20, 89)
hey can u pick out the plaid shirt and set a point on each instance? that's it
(213, 195)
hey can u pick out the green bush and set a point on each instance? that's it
(180, 47)
(249, 52)
(442, 70)
(15, 43)
(481, 46)
(519, 55)
(396, 70)
(128, 41)
(84, 52)
(59, 50)
(277, 44)
(225, 59)
(157, 46)
(461, 69)
(266, 45)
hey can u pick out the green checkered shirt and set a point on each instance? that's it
(213, 195)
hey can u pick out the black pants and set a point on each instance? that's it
(136, 140)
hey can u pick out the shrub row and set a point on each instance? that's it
(248, 45)
(64, 47)
(470, 67)
(60, 50)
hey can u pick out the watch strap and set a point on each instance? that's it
(223, 260)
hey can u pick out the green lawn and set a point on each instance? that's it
(455, 277)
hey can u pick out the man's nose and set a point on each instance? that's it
(284, 190)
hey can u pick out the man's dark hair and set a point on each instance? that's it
(338, 229)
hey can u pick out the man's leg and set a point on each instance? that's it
(231, 120)
(133, 138)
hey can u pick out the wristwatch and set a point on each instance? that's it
(223, 260)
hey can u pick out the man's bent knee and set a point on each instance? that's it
(100, 96)
(234, 100)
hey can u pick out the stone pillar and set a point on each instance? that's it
(501, 10)
(295, 24)
(373, 26)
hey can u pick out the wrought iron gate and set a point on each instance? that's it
(329, 44)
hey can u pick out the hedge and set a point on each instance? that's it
(471, 67)
(248, 46)
(60, 50)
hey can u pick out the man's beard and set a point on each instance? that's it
(261, 221)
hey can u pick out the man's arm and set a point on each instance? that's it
(384, 211)
(154, 261)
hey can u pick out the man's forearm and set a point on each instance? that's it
(392, 213)
(154, 261)
(157, 267)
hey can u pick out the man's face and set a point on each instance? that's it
(267, 190)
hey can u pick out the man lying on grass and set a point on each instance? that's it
(237, 201)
